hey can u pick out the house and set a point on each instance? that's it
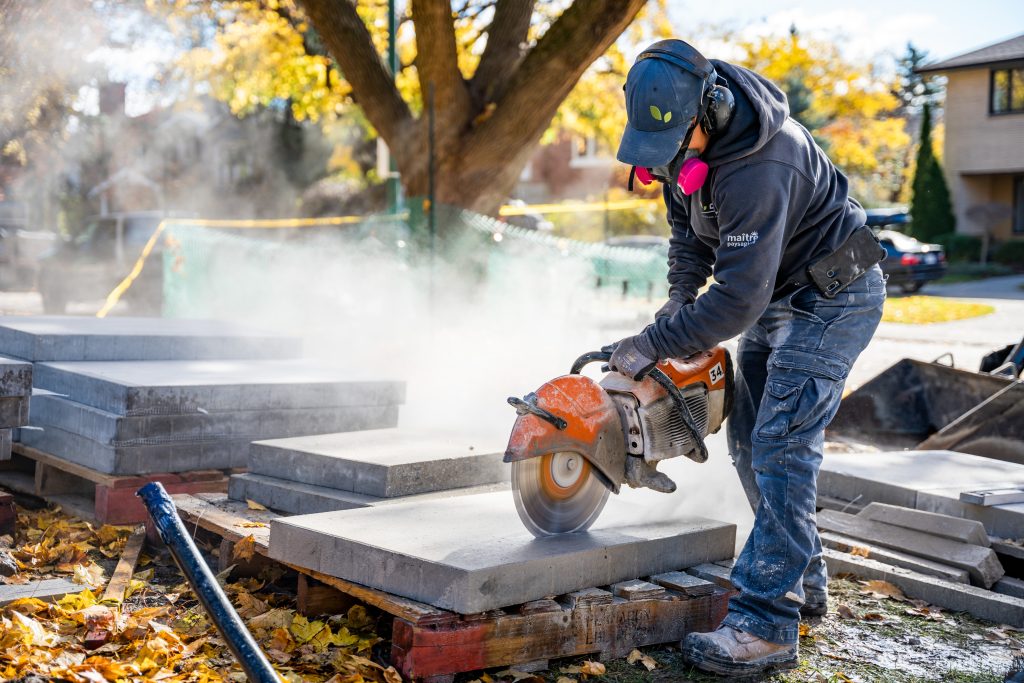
(984, 149)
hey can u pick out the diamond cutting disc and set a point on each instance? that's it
(557, 493)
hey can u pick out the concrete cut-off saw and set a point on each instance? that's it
(572, 437)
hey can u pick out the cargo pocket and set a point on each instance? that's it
(802, 392)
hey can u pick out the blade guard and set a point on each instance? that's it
(592, 427)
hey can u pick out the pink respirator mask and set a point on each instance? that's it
(692, 175)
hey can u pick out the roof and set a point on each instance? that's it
(1007, 51)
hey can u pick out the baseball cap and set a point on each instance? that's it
(661, 99)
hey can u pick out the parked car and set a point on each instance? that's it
(911, 263)
(88, 266)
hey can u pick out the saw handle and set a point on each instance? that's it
(666, 383)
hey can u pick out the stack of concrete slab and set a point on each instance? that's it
(72, 338)
(341, 471)
(141, 417)
(470, 554)
(15, 394)
(936, 481)
(947, 560)
(132, 396)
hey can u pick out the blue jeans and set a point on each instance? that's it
(791, 368)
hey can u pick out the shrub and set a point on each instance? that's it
(960, 248)
(1010, 254)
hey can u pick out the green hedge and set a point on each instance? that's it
(960, 248)
(1010, 254)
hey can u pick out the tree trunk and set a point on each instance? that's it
(486, 129)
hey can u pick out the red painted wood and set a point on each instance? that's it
(120, 505)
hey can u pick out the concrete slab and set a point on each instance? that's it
(385, 463)
(171, 456)
(70, 338)
(684, 583)
(954, 528)
(895, 477)
(296, 498)
(51, 410)
(1005, 521)
(6, 440)
(470, 554)
(180, 387)
(981, 563)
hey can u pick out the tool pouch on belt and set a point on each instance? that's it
(856, 256)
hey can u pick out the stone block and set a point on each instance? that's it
(985, 604)
(1006, 521)
(5, 444)
(954, 528)
(637, 589)
(470, 554)
(895, 558)
(71, 338)
(51, 410)
(183, 387)
(714, 573)
(684, 583)
(981, 563)
(15, 377)
(385, 463)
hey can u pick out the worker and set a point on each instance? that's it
(755, 202)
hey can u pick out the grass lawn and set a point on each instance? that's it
(918, 310)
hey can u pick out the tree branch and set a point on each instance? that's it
(349, 42)
(506, 37)
(437, 61)
(550, 71)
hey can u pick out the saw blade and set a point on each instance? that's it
(557, 493)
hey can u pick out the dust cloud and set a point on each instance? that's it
(464, 333)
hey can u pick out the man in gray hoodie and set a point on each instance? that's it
(753, 201)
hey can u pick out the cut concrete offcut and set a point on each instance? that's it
(69, 338)
(952, 528)
(925, 480)
(177, 387)
(980, 562)
(384, 463)
(470, 554)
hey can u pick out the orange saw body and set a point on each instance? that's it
(572, 437)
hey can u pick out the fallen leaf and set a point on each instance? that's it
(805, 629)
(253, 505)
(244, 549)
(565, 679)
(590, 668)
(391, 675)
(861, 551)
(882, 589)
(845, 612)
(647, 662)
(252, 525)
(517, 676)
(873, 616)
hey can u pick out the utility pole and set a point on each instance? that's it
(394, 182)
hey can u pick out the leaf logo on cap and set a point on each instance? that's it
(656, 113)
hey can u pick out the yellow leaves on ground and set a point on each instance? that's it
(244, 549)
(646, 661)
(162, 633)
(882, 589)
(921, 310)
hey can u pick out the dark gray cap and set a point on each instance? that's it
(661, 99)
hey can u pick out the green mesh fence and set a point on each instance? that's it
(208, 270)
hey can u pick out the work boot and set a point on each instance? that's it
(640, 473)
(815, 604)
(731, 652)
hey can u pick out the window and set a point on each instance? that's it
(1018, 205)
(1007, 91)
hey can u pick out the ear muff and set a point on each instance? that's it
(721, 104)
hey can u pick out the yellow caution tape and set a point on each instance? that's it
(272, 223)
(579, 207)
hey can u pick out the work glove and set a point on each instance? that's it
(670, 308)
(633, 357)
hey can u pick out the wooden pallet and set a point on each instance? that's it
(431, 644)
(106, 498)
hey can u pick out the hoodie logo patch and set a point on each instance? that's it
(744, 239)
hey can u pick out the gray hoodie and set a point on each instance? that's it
(773, 204)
